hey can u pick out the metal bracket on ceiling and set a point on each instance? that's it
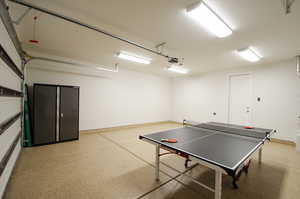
(172, 60)
(21, 17)
(160, 47)
(287, 4)
(181, 63)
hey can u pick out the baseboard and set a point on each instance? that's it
(174, 122)
(283, 141)
(91, 131)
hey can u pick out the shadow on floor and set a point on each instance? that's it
(263, 181)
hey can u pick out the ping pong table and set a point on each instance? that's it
(225, 148)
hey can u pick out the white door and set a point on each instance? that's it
(240, 99)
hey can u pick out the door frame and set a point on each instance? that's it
(229, 76)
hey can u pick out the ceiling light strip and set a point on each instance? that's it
(249, 54)
(207, 17)
(178, 69)
(134, 58)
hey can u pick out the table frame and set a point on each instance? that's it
(219, 171)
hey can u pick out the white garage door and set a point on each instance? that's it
(10, 101)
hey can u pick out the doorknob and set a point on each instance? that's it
(61, 115)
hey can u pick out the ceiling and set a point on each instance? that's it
(260, 24)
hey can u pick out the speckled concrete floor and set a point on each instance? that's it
(115, 164)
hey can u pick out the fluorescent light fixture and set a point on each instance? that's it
(178, 69)
(249, 54)
(209, 19)
(134, 58)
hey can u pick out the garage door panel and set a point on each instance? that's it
(11, 76)
(7, 138)
(8, 169)
(8, 45)
(9, 109)
(8, 78)
(8, 99)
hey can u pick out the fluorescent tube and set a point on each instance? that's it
(249, 54)
(178, 69)
(209, 19)
(134, 58)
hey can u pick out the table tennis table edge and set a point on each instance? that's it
(229, 170)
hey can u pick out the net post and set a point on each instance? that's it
(157, 151)
(184, 122)
(260, 155)
(218, 184)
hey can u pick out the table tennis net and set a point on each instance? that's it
(235, 129)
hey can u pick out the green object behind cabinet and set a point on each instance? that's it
(27, 129)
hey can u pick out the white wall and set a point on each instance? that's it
(114, 99)
(196, 98)
(110, 99)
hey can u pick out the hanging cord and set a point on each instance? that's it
(33, 40)
(298, 65)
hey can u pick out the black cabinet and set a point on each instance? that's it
(68, 113)
(44, 114)
(55, 113)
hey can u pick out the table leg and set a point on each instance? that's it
(157, 151)
(260, 156)
(218, 184)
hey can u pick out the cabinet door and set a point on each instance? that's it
(44, 114)
(69, 113)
